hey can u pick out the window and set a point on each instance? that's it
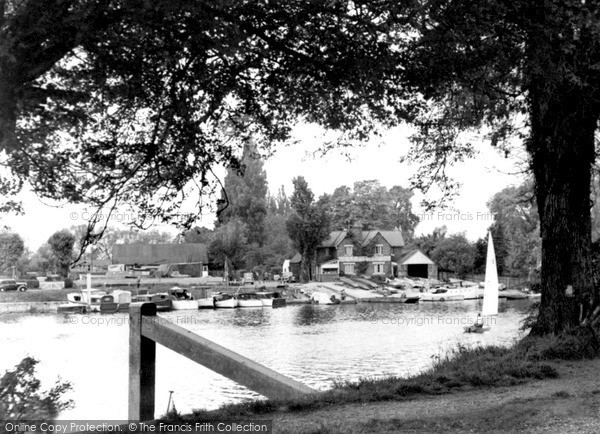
(348, 250)
(349, 268)
(379, 249)
(378, 268)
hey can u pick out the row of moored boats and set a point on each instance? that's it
(97, 300)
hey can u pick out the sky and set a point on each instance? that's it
(481, 177)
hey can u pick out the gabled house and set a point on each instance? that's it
(373, 252)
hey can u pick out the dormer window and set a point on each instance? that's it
(348, 250)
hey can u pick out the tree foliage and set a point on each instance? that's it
(244, 195)
(372, 206)
(112, 103)
(455, 253)
(12, 248)
(21, 398)
(307, 226)
(61, 244)
(516, 230)
(229, 244)
(427, 243)
(525, 72)
(136, 102)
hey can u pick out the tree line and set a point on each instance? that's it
(257, 229)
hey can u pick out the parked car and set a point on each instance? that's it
(12, 285)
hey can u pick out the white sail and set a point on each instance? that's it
(490, 293)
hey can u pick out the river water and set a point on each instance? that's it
(316, 345)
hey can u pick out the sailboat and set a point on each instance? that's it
(490, 292)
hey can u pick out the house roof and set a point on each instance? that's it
(335, 238)
(296, 259)
(155, 254)
(394, 238)
(95, 262)
(415, 257)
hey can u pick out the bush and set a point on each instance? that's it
(21, 399)
(68, 283)
(575, 344)
(31, 283)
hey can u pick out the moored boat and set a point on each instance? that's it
(405, 298)
(162, 300)
(181, 299)
(90, 300)
(225, 301)
(208, 302)
(512, 294)
(271, 299)
(441, 294)
(249, 299)
(97, 300)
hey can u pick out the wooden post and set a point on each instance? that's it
(142, 364)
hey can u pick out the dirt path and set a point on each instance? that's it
(568, 404)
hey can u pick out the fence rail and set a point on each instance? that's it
(510, 282)
(146, 330)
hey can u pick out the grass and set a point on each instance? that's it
(461, 368)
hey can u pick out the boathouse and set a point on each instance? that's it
(190, 259)
(416, 264)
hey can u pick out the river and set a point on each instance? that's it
(316, 345)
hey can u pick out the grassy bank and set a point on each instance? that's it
(462, 369)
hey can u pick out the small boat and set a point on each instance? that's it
(122, 298)
(209, 301)
(90, 300)
(441, 294)
(405, 298)
(512, 294)
(181, 299)
(490, 292)
(271, 299)
(249, 299)
(225, 301)
(162, 300)
(322, 298)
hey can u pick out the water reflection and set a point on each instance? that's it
(317, 345)
(311, 314)
(251, 317)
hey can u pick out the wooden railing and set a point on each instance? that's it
(146, 330)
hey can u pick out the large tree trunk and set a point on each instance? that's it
(8, 108)
(562, 152)
(305, 267)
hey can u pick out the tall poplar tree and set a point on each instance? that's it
(244, 195)
(307, 226)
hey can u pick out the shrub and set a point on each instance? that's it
(31, 283)
(68, 283)
(575, 344)
(20, 396)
